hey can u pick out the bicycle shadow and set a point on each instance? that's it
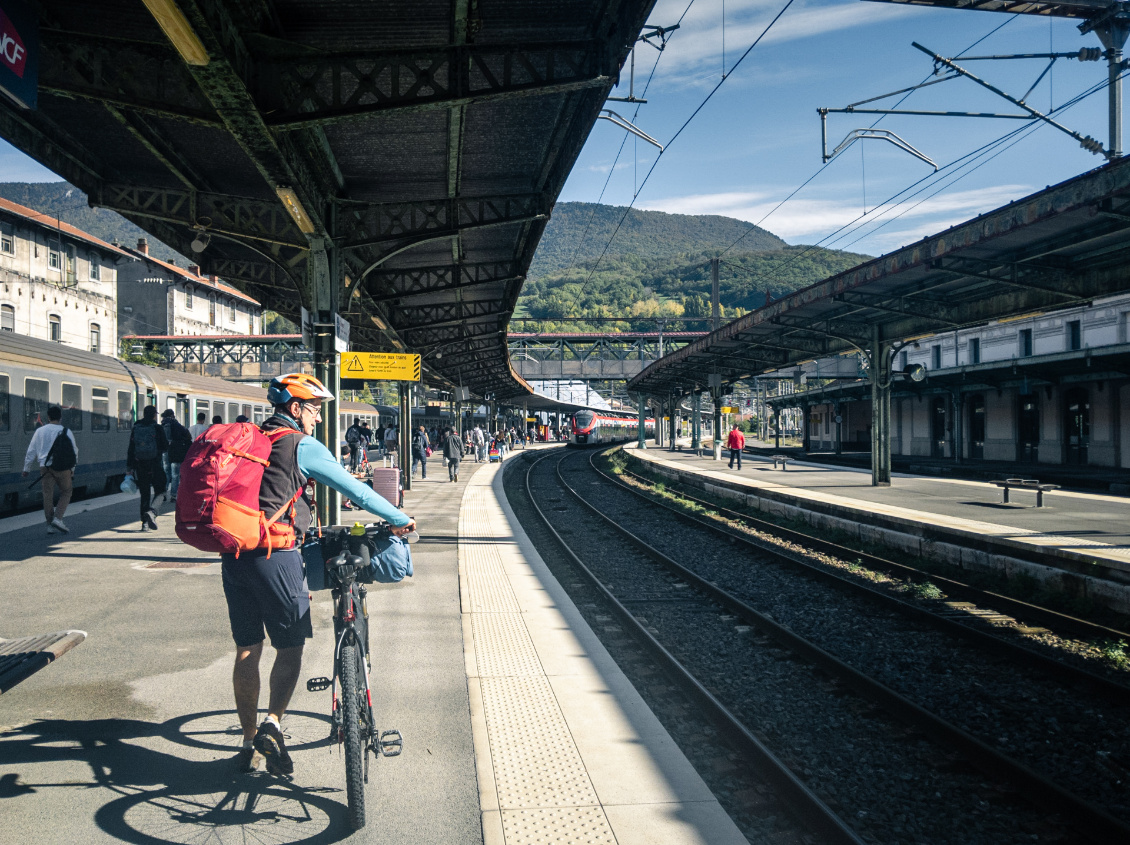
(156, 797)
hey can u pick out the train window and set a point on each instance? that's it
(5, 420)
(246, 411)
(99, 409)
(35, 403)
(233, 411)
(125, 410)
(218, 410)
(258, 418)
(72, 406)
(201, 408)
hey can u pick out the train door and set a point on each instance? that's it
(938, 427)
(1077, 425)
(183, 410)
(977, 427)
(1028, 428)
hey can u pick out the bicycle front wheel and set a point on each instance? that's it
(354, 739)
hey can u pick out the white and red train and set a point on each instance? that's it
(589, 428)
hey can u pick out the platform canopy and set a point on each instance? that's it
(394, 161)
(1063, 246)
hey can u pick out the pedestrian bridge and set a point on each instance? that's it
(577, 356)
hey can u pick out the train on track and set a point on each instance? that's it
(102, 396)
(595, 428)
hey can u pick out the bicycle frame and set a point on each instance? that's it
(346, 614)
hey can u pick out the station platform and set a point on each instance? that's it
(518, 727)
(1085, 534)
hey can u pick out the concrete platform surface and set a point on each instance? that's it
(518, 727)
(1091, 524)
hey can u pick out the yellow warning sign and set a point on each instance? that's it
(380, 366)
(730, 410)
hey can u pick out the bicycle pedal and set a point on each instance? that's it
(391, 743)
(318, 684)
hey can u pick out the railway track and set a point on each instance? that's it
(752, 669)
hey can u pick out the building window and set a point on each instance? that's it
(96, 338)
(936, 357)
(211, 311)
(188, 297)
(7, 318)
(72, 406)
(99, 409)
(72, 263)
(231, 311)
(974, 350)
(54, 257)
(1074, 335)
(5, 420)
(7, 242)
(36, 398)
(95, 269)
(1025, 343)
(54, 327)
(125, 410)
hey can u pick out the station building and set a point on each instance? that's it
(1048, 389)
(57, 282)
(158, 297)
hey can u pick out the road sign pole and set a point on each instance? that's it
(323, 273)
(404, 389)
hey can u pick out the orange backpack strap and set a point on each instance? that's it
(275, 435)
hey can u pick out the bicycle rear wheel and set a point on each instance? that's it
(354, 740)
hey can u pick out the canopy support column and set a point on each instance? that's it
(325, 279)
(880, 410)
(404, 399)
(696, 423)
(716, 434)
(642, 434)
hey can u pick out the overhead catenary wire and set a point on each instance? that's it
(679, 132)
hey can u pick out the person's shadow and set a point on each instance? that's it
(157, 797)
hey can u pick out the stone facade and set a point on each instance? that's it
(57, 282)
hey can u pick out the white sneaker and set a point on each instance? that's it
(62, 526)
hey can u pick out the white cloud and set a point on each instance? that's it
(809, 220)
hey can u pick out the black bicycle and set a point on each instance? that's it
(346, 559)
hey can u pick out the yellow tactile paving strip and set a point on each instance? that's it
(540, 787)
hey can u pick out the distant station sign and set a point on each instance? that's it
(730, 409)
(380, 366)
(19, 52)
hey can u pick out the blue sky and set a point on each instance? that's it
(758, 138)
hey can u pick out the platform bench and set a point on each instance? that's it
(783, 461)
(23, 657)
(1025, 484)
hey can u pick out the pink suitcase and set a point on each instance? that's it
(386, 482)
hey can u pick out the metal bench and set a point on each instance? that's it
(783, 460)
(1025, 484)
(23, 657)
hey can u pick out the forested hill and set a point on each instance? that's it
(578, 232)
(68, 203)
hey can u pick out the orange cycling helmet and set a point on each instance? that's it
(296, 386)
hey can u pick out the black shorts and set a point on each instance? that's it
(269, 594)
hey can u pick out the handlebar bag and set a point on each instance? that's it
(390, 559)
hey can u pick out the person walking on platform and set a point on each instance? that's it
(179, 439)
(147, 444)
(453, 451)
(201, 425)
(265, 588)
(57, 466)
(391, 441)
(735, 442)
(480, 442)
(421, 446)
(353, 437)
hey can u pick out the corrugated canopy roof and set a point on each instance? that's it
(426, 140)
(1056, 248)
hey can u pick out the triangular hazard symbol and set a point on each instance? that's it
(355, 365)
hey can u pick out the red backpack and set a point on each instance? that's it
(218, 498)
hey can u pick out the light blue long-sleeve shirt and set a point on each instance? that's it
(315, 461)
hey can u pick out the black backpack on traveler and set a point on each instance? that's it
(145, 447)
(179, 442)
(62, 455)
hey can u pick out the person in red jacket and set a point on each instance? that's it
(735, 443)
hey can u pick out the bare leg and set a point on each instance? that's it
(245, 680)
(284, 677)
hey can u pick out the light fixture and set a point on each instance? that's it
(295, 210)
(201, 241)
(179, 31)
(915, 372)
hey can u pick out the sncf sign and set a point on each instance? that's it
(19, 44)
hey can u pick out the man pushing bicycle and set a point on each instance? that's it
(265, 588)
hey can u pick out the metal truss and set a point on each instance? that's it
(366, 225)
(401, 284)
(427, 317)
(237, 216)
(316, 91)
(910, 306)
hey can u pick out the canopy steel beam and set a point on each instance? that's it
(328, 89)
(420, 281)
